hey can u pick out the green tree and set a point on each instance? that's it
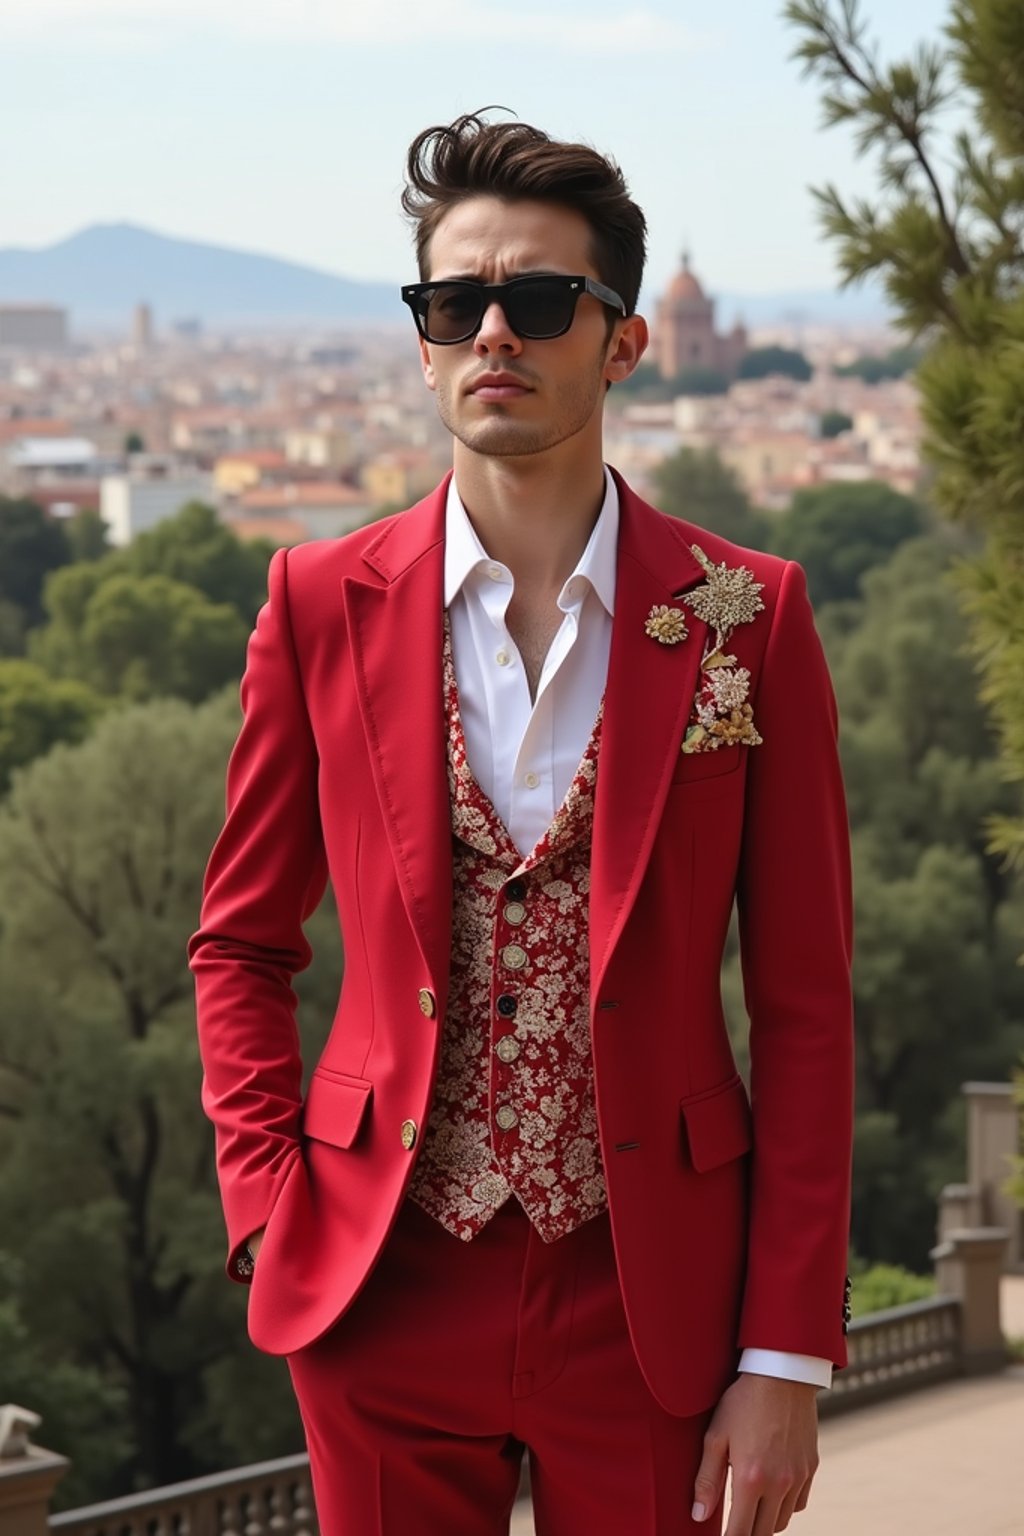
(87, 535)
(37, 711)
(945, 232)
(111, 1235)
(196, 548)
(895, 364)
(834, 422)
(839, 531)
(936, 912)
(138, 636)
(700, 381)
(696, 485)
(762, 362)
(31, 545)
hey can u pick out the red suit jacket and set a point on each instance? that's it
(729, 1213)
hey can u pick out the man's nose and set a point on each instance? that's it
(495, 333)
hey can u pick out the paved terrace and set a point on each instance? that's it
(947, 1460)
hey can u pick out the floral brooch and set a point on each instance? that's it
(721, 715)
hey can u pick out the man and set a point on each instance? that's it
(538, 736)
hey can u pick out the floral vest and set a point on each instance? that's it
(513, 1111)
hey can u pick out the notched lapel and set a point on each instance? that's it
(648, 698)
(396, 632)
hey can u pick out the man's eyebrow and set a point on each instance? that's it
(474, 277)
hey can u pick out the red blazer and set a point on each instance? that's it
(730, 1217)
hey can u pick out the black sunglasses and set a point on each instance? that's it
(537, 308)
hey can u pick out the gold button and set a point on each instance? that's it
(515, 913)
(408, 1134)
(507, 1117)
(514, 956)
(428, 1007)
(507, 1048)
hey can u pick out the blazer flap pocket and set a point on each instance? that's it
(712, 763)
(719, 1124)
(335, 1106)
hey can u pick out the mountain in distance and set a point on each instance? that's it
(102, 272)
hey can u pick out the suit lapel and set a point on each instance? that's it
(648, 696)
(396, 629)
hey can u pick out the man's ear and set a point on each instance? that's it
(627, 347)
(427, 365)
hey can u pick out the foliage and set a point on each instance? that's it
(139, 637)
(945, 232)
(877, 1287)
(873, 369)
(834, 422)
(935, 913)
(696, 485)
(196, 548)
(31, 545)
(36, 711)
(839, 531)
(102, 847)
(763, 362)
(699, 381)
(87, 535)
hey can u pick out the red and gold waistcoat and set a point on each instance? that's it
(513, 1111)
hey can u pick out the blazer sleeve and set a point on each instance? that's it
(266, 874)
(795, 908)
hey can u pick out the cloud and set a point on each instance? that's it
(132, 24)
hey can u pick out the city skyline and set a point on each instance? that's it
(284, 130)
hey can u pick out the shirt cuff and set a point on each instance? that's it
(780, 1362)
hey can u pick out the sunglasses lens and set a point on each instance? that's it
(541, 307)
(451, 311)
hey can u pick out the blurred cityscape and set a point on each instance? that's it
(309, 432)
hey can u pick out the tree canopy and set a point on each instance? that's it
(839, 531)
(945, 233)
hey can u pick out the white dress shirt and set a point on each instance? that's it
(524, 752)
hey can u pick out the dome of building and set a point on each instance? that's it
(684, 287)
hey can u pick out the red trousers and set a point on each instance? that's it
(455, 1356)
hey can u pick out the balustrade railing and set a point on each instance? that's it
(270, 1498)
(902, 1347)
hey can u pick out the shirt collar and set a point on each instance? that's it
(464, 554)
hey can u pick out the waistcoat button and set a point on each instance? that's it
(507, 1117)
(515, 890)
(515, 913)
(507, 1048)
(514, 956)
(428, 1006)
(408, 1134)
(507, 1005)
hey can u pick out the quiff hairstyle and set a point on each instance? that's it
(473, 158)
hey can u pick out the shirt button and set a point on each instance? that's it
(507, 1005)
(507, 1048)
(531, 779)
(495, 572)
(507, 1117)
(502, 658)
(514, 956)
(515, 913)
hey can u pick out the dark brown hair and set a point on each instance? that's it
(474, 158)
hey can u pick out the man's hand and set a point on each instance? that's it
(767, 1428)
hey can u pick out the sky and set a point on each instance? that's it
(281, 126)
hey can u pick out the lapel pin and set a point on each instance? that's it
(666, 625)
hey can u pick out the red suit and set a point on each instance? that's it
(728, 1214)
